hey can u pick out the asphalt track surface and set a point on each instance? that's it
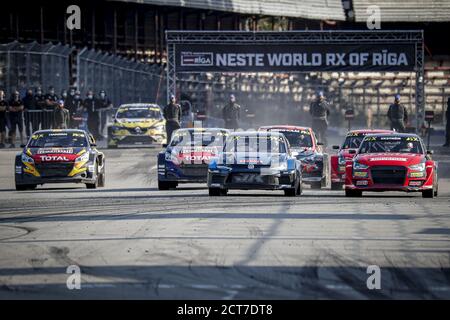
(132, 241)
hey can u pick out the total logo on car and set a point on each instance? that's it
(306, 148)
(352, 141)
(391, 162)
(60, 156)
(137, 123)
(186, 157)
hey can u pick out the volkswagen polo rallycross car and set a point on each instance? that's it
(306, 148)
(255, 160)
(60, 156)
(187, 156)
(137, 124)
(391, 162)
(352, 141)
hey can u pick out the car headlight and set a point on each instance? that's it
(359, 166)
(418, 167)
(83, 158)
(281, 166)
(26, 158)
(159, 127)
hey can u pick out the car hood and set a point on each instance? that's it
(303, 152)
(41, 155)
(141, 123)
(389, 159)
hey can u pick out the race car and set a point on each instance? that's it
(255, 160)
(137, 123)
(60, 156)
(304, 145)
(391, 162)
(186, 158)
(352, 142)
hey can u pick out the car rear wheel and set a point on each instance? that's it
(353, 193)
(163, 185)
(336, 186)
(214, 192)
(23, 187)
(428, 193)
(223, 192)
(95, 184)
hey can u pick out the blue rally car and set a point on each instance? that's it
(187, 156)
(255, 160)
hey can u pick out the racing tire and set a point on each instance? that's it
(223, 192)
(353, 193)
(299, 189)
(101, 180)
(173, 185)
(23, 187)
(95, 184)
(163, 185)
(316, 185)
(336, 186)
(214, 192)
(428, 193)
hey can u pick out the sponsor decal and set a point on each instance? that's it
(360, 174)
(55, 150)
(389, 159)
(417, 174)
(192, 59)
(362, 183)
(47, 158)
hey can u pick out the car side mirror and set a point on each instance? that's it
(164, 145)
(352, 151)
(93, 144)
(430, 152)
(23, 145)
(320, 143)
(335, 147)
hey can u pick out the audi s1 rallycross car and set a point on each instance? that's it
(137, 124)
(60, 156)
(186, 158)
(352, 141)
(304, 146)
(255, 160)
(391, 162)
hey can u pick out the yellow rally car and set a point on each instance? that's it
(137, 123)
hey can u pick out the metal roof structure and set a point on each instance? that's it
(404, 10)
(307, 9)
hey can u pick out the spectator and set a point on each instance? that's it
(320, 111)
(3, 108)
(231, 113)
(397, 115)
(91, 107)
(61, 116)
(447, 127)
(29, 105)
(104, 105)
(16, 118)
(77, 111)
(39, 104)
(51, 101)
(172, 114)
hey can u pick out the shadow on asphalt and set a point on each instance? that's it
(236, 282)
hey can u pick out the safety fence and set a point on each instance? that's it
(31, 65)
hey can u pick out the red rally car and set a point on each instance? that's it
(391, 162)
(352, 142)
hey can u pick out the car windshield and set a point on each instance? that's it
(298, 138)
(58, 139)
(352, 142)
(138, 113)
(206, 138)
(256, 143)
(391, 145)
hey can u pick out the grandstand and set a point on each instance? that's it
(135, 29)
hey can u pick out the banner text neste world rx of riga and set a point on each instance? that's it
(294, 58)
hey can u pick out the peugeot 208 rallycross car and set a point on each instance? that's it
(255, 160)
(59, 156)
(187, 156)
(306, 148)
(352, 141)
(391, 162)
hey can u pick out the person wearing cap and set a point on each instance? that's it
(231, 113)
(60, 116)
(397, 115)
(15, 117)
(172, 114)
(4, 105)
(104, 105)
(319, 110)
(447, 126)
